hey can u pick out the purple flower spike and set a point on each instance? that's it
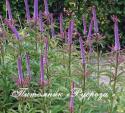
(61, 25)
(13, 29)
(70, 31)
(45, 58)
(96, 30)
(117, 43)
(71, 103)
(82, 50)
(43, 82)
(41, 22)
(52, 25)
(90, 29)
(28, 64)
(46, 7)
(84, 25)
(21, 81)
(20, 73)
(35, 10)
(8, 9)
(27, 10)
(90, 35)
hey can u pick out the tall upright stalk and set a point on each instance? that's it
(98, 63)
(116, 72)
(84, 79)
(20, 48)
(117, 49)
(115, 79)
(2, 52)
(69, 62)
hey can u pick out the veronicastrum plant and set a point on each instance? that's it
(44, 60)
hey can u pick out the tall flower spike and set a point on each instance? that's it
(35, 16)
(41, 22)
(43, 82)
(8, 9)
(46, 7)
(45, 59)
(71, 103)
(70, 31)
(117, 43)
(52, 25)
(90, 35)
(61, 25)
(96, 30)
(84, 25)
(82, 50)
(28, 65)
(21, 82)
(13, 29)
(90, 29)
(27, 10)
(20, 73)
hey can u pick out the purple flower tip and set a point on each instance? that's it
(28, 64)
(8, 9)
(61, 25)
(70, 31)
(96, 30)
(84, 25)
(90, 29)
(13, 29)
(52, 25)
(117, 42)
(46, 7)
(27, 10)
(41, 24)
(82, 50)
(35, 16)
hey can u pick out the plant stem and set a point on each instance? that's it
(116, 71)
(115, 79)
(69, 63)
(83, 83)
(2, 52)
(84, 78)
(20, 48)
(98, 63)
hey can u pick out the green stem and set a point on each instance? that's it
(98, 63)
(83, 82)
(2, 51)
(69, 63)
(20, 48)
(84, 78)
(47, 71)
(36, 46)
(115, 79)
